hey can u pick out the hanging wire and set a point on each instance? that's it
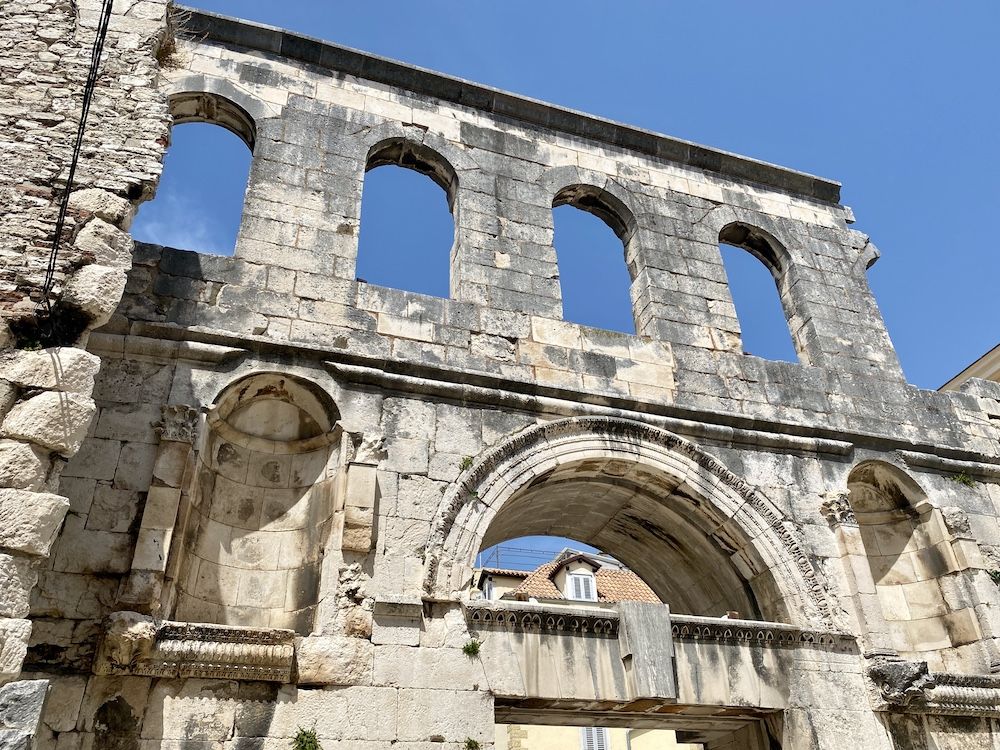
(88, 95)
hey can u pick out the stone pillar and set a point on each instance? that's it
(178, 430)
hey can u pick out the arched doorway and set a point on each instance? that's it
(701, 538)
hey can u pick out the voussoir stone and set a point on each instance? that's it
(53, 420)
(61, 368)
(29, 520)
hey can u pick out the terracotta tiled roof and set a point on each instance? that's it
(612, 585)
(505, 572)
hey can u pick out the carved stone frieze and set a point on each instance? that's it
(134, 644)
(534, 618)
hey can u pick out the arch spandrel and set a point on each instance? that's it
(753, 534)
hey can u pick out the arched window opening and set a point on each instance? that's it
(261, 506)
(752, 280)
(407, 225)
(595, 283)
(199, 200)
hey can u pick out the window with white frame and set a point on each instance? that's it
(488, 588)
(581, 586)
(594, 738)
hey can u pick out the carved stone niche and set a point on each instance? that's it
(135, 644)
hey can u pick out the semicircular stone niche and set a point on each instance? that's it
(261, 508)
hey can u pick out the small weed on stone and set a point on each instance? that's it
(963, 478)
(305, 739)
(471, 649)
(471, 744)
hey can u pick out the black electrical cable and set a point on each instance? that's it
(88, 95)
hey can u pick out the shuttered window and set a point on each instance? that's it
(581, 587)
(594, 738)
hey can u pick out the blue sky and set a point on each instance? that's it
(897, 100)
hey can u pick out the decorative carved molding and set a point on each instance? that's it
(751, 633)
(910, 687)
(552, 618)
(901, 683)
(837, 508)
(467, 489)
(134, 644)
(528, 618)
(179, 423)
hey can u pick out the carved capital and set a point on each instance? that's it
(366, 448)
(178, 422)
(837, 508)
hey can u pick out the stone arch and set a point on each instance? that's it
(261, 505)
(760, 543)
(609, 201)
(420, 158)
(200, 98)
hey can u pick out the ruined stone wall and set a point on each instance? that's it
(46, 382)
(719, 474)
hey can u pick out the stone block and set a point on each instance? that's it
(334, 660)
(56, 421)
(451, 715)
(23, 466)
(29, 520)
(102, 204)
(17, 578)
(55, 369)
(96, 290)
(14, 637)
(21, 705)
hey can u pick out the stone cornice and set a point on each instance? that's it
(909, 687)
(723, 427)
(505, 105)
(135, 644)
(604, 622)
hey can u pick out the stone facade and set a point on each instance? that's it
(252, 497)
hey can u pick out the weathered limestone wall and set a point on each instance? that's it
(727, 481)
(45, 383)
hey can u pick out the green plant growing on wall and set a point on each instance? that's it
(471, 649)
(963, 478)
(466, 463)
(305, 739)
(994, 576)
(471, 744)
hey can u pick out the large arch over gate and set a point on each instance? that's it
(667, 490)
